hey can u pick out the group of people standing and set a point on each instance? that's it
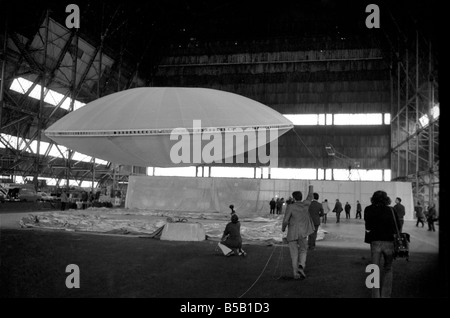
(302, 220)
(276, 206)
(85, 199)
(381, 223)
(429, 215)
(347, 208)
(338, 209)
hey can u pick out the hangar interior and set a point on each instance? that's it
(315, 62)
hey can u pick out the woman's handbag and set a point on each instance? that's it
(401, 242)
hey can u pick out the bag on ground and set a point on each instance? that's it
(225, 250)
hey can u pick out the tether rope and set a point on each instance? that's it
(280, 260)
(298, 136)
(257, 279)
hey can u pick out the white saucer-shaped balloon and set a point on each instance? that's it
(169, 126)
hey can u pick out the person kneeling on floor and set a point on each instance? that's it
(232, 237)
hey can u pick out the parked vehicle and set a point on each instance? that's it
(55, 196)
(22, 194)
(44, 196)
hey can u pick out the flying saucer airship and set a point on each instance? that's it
(169, 126)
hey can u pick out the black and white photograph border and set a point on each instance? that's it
(139, 140)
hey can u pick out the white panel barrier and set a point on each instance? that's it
(251, 196)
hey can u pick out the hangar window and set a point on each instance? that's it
(172, 172)
(360, 175)
(321, 119)
(288, 173)
(232, 172)
(53, 181)
(75, 50)
(31, 147)
(22, 85)
(358, 119)
(306, 119)
(339, 119)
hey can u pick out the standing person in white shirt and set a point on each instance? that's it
(326, 209)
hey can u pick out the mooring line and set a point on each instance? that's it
(280, 259)
(270, 257)
(307, 148)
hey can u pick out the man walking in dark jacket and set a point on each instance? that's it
(431, 217)
(400, 210)
(358, 210)
(338, 209)
(299, 224)
(419, 214)
(315, 211)
(273, 205)
(347, 210)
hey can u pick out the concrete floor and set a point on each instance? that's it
(33, 264)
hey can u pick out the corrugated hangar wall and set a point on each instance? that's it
(298, 76)
(250, 196)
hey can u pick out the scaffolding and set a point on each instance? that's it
(55, 59)
(415, 109)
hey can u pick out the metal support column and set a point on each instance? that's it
(417, 114)
(431, 127)
(3, 75)
(73, 94)
(93, 174)
(37, 167)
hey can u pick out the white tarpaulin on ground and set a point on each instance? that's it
(182, 231)
(139, 222)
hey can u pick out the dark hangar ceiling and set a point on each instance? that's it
(145, 30)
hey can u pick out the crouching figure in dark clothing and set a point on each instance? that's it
(232, 237)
